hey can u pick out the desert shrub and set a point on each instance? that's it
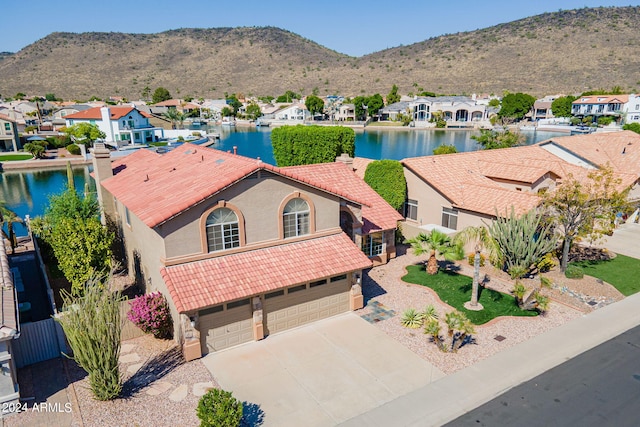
(92, 326)
(517, 271)
(59, 141)
(472, 257)
(150, 312)
(411, 319)
(573, 272)
(518, 291)
(198, 134)
(605, 120)
(542, 301)
(546, 263)
(180, 138)
(73, 149)
(545, 282)
(444, 149)
(218, 408)
(386, 177)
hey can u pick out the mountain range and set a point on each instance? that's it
(561, 52)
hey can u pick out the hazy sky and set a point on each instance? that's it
(352, 27)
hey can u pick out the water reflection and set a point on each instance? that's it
(27, 192)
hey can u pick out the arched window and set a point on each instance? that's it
(295, 218)
(222, 230)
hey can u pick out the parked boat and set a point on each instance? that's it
(260, 123)
(227, 122)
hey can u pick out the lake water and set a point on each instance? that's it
(373, 144)
(27, 192)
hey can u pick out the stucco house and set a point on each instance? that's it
(624, 108)
(455, 110)
(293, 112)
(240, 248)
(9, 137)
(58, 116)
(124, 125)
(452, 191)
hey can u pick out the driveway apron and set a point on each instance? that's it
(320, 374)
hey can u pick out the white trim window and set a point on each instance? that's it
(223, 231)
(295, 218)
(411, 209)
(450, 218)
(373, 244)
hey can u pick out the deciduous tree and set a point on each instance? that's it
(84, 133)
(491, 139)
(561, 107)
(314, 104)
(584, 208)
(516, 105)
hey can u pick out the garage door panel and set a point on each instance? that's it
(226, 328)
(302, 307)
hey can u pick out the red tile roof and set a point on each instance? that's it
(465, 178)
(7, 118)
(360, 165)
(602, 99)
(202, 284)
(377, 214)
(95, 113)
(157, 187)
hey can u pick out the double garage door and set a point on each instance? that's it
(231, 324)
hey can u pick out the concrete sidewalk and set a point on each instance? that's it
(448, 398)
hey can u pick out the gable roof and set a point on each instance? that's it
(7, 118)
(156, 187)
(620, 150)
(201, 284)
(95, 113)
(465, 178)
(377, 214)
(602, 99)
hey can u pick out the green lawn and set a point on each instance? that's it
(455, 289)
(13, 157)
(622, 272)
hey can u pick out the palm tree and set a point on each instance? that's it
(173, 116)
(482, 240)
(435, 242)
(8, 217)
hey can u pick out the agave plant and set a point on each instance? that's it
(411, 319)
(430, 313)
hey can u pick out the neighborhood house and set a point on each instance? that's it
(240, 248)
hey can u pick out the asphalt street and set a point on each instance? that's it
(600, 387)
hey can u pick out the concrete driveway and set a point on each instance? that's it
(321, 374)
(625, 240)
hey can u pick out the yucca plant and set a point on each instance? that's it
(542, 302)
(518, 291)
(411, 319)
(430, 313)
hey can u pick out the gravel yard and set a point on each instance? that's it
(384, 285)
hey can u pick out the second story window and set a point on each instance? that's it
(222, 230)
(295, 218)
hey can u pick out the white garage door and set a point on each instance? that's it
(226, 325)
(303, 304)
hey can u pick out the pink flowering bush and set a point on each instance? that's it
(150, 312)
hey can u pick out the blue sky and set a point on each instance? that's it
(352, 27)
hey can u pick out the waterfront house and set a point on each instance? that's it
(292, 113)
(457, 111)
(58, 116)
(623, 108)
(541, 109)
(450, 192)
(123, 125)
(241, 248)
(9, 137)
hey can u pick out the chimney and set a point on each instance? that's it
(344, 158)
(235, 149)
(101, 171)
